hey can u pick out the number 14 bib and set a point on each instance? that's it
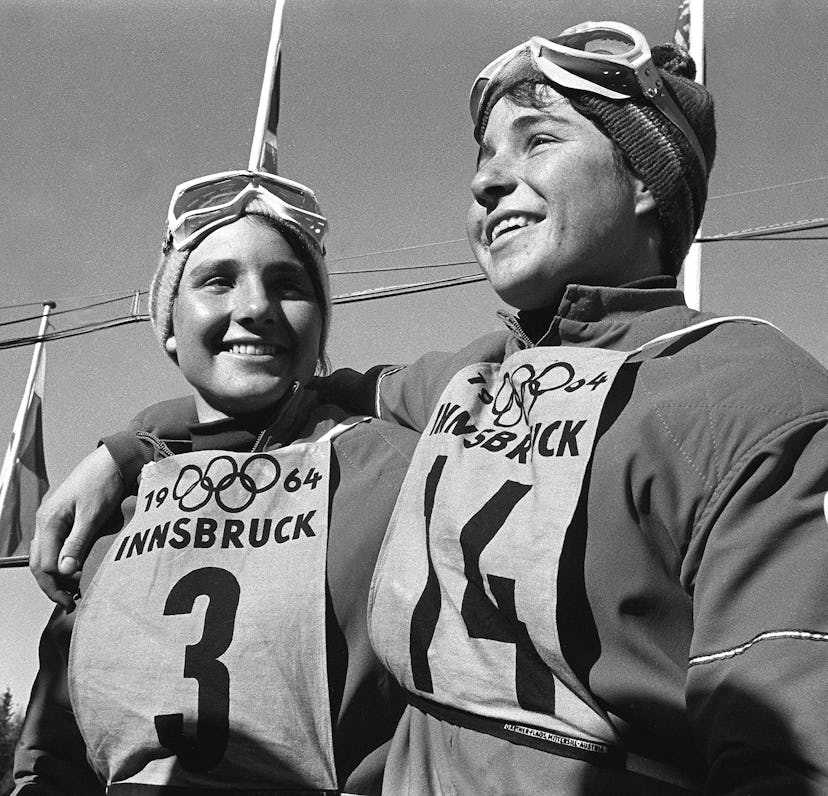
(463, 602)
(198, 656)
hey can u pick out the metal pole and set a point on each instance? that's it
(263, 150)
(692, 263)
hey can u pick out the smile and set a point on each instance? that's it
(510, 224)
(254, 349)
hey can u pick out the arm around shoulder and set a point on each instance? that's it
(165, 419)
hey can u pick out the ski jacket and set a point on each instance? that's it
(667, 633)
(354, 706)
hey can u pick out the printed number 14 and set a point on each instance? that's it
(484, 619)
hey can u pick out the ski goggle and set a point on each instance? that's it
(199, 206)
(605, 58)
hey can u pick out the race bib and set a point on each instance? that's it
(198, 655)
(467, 567)
(463, 602)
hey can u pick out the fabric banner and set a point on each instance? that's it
(23, 482)
(682, 32)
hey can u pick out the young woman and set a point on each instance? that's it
(222, 643)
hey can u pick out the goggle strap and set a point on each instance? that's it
(664, 102)
(649, 79)
(562, 77)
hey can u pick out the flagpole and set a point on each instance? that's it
(17, 430)
(692, 263)
(263, 149)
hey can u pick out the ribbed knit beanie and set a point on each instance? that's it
(653, 146)
(164, 285)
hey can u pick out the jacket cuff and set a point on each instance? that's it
(130, 455)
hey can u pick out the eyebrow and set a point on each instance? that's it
(211, 264)
(533, 117)
(523, 123)
(231, 262)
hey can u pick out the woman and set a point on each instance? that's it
(222, 644)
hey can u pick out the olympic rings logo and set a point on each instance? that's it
(520, 389)
(234, 488)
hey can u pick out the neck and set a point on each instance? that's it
(207, 413)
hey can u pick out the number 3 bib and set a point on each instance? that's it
(198, 656)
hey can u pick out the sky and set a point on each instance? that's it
(105, 105)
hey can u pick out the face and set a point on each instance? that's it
(246, 322)
(553, 206)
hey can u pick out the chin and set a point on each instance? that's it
(254, 401)
(523, 297)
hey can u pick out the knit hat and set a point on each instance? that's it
(164, 285)
(653, 146)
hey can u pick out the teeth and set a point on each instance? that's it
(257, 349)
(510, 223)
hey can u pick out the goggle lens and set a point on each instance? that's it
(211, 194)
(201, 205)
(599, 42)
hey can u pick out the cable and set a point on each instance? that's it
(763, 238)
(399, 268)
(76, 331)
(461, 240)
(769, 229)
(394, 251)
(64, 299)
(346, 298)
(770, 232)
(768, 188)
(400, 290)
(73, 309)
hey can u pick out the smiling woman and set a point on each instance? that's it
(246, 562)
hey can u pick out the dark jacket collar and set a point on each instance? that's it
(273, 428)
(597, 316)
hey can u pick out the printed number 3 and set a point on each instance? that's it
(205, 751)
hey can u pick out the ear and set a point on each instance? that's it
(644, 201)
(171, 346)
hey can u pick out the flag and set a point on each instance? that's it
(682, 32)
(269, 159)
(263, 151)
(23, 480)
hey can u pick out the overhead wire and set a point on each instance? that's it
(400, 290)
(121, 297)
(400, 268)
(736, 235)
(395, 251)
(65, 299)
(762, 232)
(768, 188)
(75, 331)
(771, 232)
(763, 238)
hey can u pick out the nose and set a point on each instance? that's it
(494, 179)
(255, 304)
